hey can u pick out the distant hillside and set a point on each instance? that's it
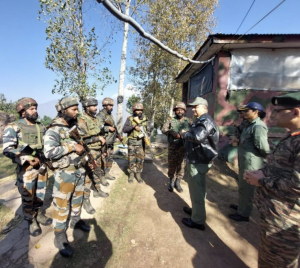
(48, 108)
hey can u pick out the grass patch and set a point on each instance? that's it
(6, 215)
(7, 168)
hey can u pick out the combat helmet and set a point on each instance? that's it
(107, 101)
(137, 106)
(25, 103)
(89, 102)
(181, 105)
(65, 103)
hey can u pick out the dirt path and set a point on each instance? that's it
(139, 225)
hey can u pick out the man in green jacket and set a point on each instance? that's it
(252, 149)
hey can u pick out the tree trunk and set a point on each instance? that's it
(122, 72)
(171, 107)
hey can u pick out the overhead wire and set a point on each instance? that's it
(245, 16)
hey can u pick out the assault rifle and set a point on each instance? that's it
(144, 134)
(27, 150)
(108, 122)
(87, 160)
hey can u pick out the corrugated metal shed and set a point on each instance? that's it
(217, 42)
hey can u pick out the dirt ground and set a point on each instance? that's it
(139, 225)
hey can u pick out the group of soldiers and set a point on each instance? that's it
(79, 151)
(78, 148)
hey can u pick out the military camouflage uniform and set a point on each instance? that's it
(69, 177)
(31, 185)
(91, 128)
(252, 150)
(176, 147)
(278, 200)
(136, 145)
(110, 138)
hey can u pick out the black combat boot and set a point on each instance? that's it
(171, 184)
(77, 223)
(34, 228)
(86, 204)
(61, 242)
(131, 177)
(138, 177)
(42, 218)
(103, 180)
(109, 177)
(177, 185)
(99, 193)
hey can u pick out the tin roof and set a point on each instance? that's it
(217, 42)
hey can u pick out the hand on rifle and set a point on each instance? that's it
(79, 149)
(102, 140)
(34, 162)
(175, 134)
(137, 128)
(112, 129)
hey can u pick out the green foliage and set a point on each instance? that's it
(180, 25)
(131, 100)
(73, 53)
(8, 107)
(46, 120)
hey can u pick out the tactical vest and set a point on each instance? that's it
(178, 126)
(134, 134)
(31, 134)
(93, 129)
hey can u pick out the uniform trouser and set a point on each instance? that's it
(278, 248)
(109, 157)
(176, 161)
(196, 178)
(246, 195)
(91, 178)
(32, 188)
(136, 156)
(67, 194)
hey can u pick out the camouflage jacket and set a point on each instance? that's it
(278, 198)
(59, 147)
(176, 125)
(102, 116)
(12, 142)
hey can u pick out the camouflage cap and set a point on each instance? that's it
(287, 100)
(198, 101)
(107, 101)
(89, 102)
(137, 106)
(67, 102)
(25, 103)
(181, 105)
(58, 107)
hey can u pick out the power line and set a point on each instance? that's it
(265, 16)
(245, 16)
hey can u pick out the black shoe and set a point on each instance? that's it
(34, 228)
(189, 223)
(61, 242)
(238, 217)
(131, 177)
(177, 186)
(234, 206)
(171, 184)
(82, 226)
(187, 210)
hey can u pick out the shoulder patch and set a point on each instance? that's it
(295, 134)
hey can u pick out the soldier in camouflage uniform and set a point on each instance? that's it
(278, 190)
(172, 127)
(31, 180)
(136, 143)
(69, 174)
(95, 141)
(110, 135)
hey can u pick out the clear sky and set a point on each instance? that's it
(23, 44)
